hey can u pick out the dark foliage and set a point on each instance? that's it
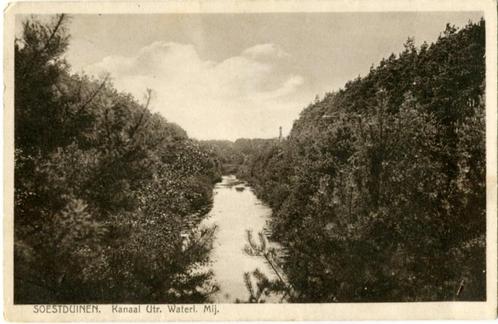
(108, 196)
(378, 193)
(236, 157)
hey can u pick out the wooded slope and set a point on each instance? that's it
(378, 193)
(108, 196)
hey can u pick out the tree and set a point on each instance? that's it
(378, 193)
(106, 193)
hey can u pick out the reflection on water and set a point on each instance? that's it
(235, 210)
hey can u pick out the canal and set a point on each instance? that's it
(236, 209)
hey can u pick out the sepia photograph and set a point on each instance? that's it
(197, 160)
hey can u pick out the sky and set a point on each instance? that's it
(228, 76)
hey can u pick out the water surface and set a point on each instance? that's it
(235, 210)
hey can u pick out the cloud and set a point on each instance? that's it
(265, 50)
(248, 95)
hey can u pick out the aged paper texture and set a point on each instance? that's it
(250, 160)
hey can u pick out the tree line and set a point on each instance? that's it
(108, 196)
(235, 157)
(378, 193)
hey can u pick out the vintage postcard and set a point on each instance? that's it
(250, 160)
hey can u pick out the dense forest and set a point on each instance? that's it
(235, 157)
(108, 196)
(378, 193)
